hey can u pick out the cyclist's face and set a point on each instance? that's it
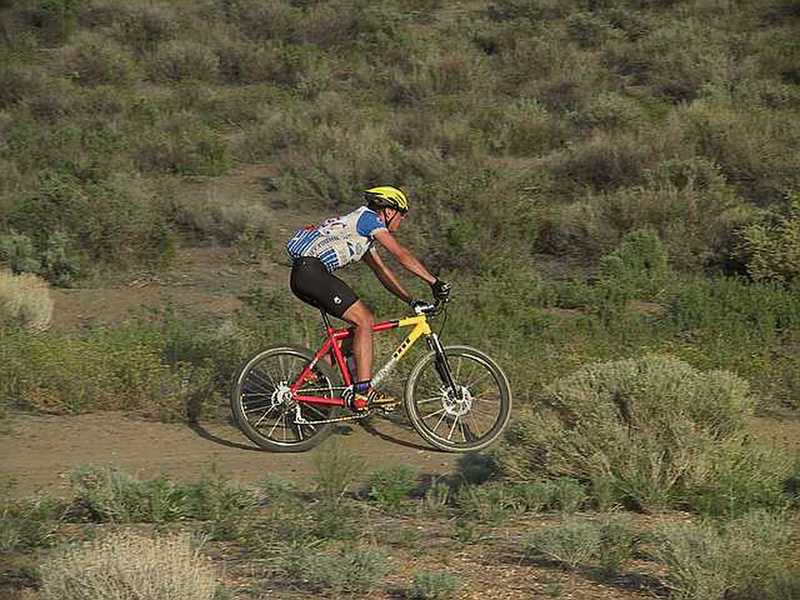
(393, 219)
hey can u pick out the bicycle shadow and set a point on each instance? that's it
(207, 435)
(369, 425)
(194, 410)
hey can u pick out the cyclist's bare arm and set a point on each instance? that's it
(385, 275)
(404, 256)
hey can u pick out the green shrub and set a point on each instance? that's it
(125, 564)
(226, 509)
(105, 494)
(432, 585)
(675, 60)
(261, 21)
(537, 496)
(340, 22)
(687, 203)
(637, 267)
(735, 308)
(524, 127)
(225, 220)
(338, 162)
(651, 424)
(336, 470)
(145, 26)
(744, 479)
(390, 487)
(180, 61)
(54, 20)
(590, 30)
(568, 495)
(244, 62)
(436, 72)
(437, 497)
(100, 61)
(579, 543)
(754, 149)
(741, 559)
(772, 250)
(491, 503)
(346, 569)
(535, 10)
(604, 163)
(57, 103)
(184, 145)
(17, 251)
(609, 110)
(123, 369)
(573, 543)
(26, 525)
(114, 221)
(618, 544)
(277, 490)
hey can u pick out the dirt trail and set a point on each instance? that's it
(39, 452)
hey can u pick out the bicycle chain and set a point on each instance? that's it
(335, 420)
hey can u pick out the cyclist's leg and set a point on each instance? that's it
(361, 318)
(365, 395)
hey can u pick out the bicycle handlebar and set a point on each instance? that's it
(429, 309)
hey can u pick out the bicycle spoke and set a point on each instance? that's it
(475, 409)
(481, 377)
(257, 394)
(268, 385)
(431, 399)
(274, 425)
(439, 422)
(282, 367)
(433, 414)
(484, 400)
(255, 409)
(453, 428)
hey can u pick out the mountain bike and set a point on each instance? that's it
(287, 399)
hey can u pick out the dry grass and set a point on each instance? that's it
(25, 300)
(127, 566)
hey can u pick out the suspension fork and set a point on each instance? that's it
(440, 361)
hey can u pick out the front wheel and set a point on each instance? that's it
(464, 417)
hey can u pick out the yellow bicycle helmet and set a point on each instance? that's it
(386, 197)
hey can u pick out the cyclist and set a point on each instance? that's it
(319, 250)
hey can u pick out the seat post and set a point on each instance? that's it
(326, 320)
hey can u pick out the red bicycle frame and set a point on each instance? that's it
(333, 345)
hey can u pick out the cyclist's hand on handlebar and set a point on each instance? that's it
(441, 290)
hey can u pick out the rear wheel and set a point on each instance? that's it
(464, 417)
(262, 403)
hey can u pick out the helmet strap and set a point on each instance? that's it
(390, 219)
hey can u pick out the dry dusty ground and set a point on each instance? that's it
(39, 452)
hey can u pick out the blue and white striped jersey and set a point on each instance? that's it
(337, 241)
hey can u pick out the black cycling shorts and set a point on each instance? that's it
(312, 283)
